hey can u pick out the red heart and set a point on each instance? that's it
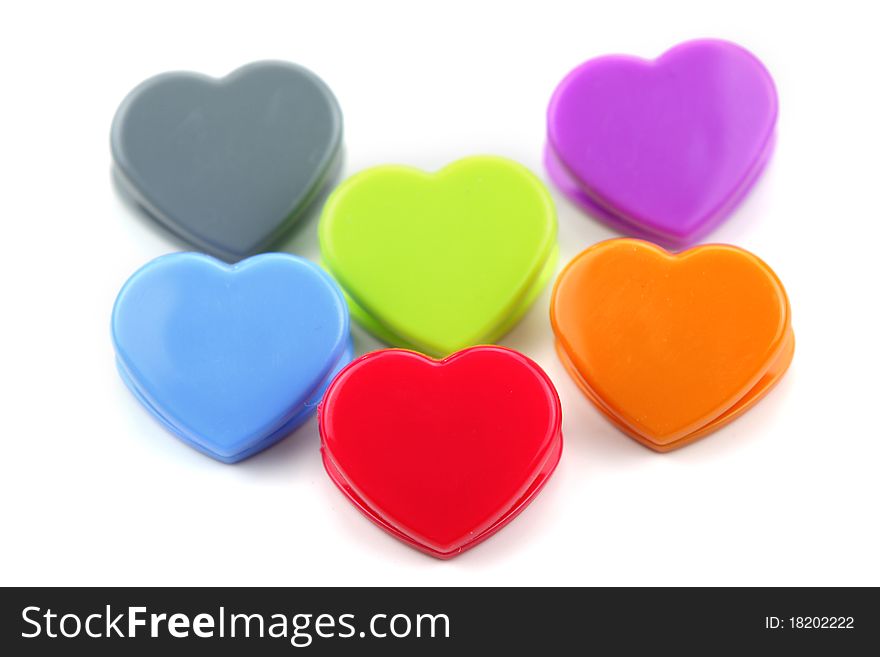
(441, 454)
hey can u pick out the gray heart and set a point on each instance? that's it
(228, 164)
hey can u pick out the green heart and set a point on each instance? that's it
(439, 262)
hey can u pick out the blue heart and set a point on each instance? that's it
(231, 358)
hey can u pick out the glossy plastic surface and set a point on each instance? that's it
(441, 454)
(671, 347)
(438, 262)
(228, 164)
(663, 149)
(230, 358)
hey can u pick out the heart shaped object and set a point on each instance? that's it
(439, 262)
(230, 359)
(671, 347)
(663, 149)
(441, 454)
(228, 164)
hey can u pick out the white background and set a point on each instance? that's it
(94, 491)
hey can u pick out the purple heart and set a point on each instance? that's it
(663, 149)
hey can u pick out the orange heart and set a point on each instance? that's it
(671, 346)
